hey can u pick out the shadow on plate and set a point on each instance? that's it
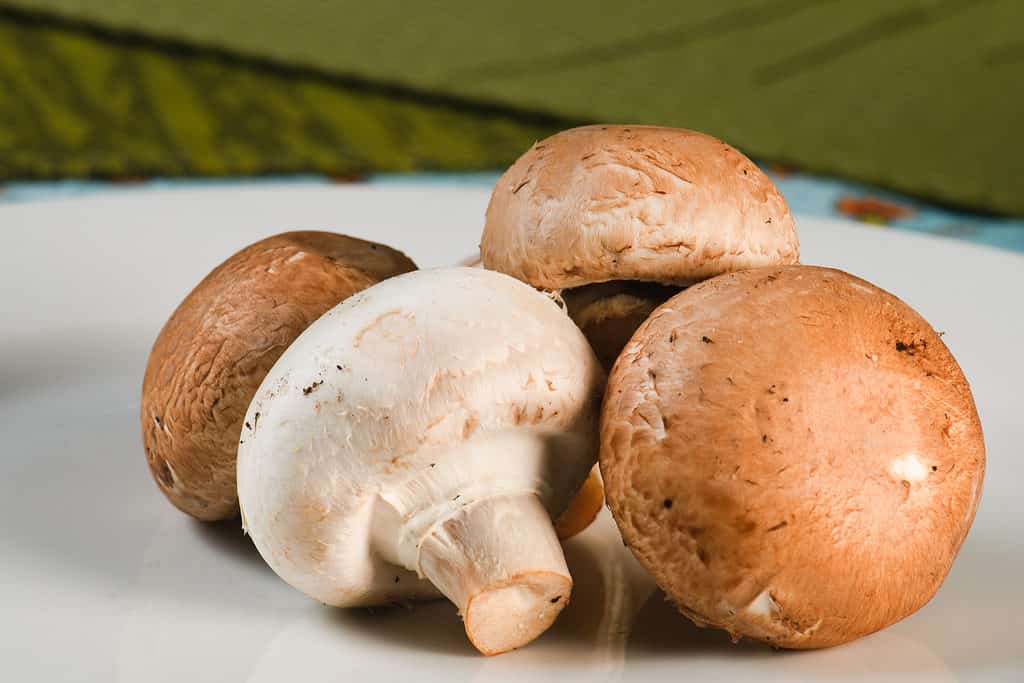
(30, 363)
(227, 538)
(432, 626)
(435, 626)
(659, 630)
(662, 634)
(581, 620)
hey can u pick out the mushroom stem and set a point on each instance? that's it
(609, 313)
(477, 523)
(499, 560)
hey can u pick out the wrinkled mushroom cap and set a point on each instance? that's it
(647, 203)
(793, 453)
(215, 349)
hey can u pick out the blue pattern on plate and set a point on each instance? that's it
(806, 194)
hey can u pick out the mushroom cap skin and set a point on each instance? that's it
(649, 203)
(430, 426)
(793, 454)
(219, 343)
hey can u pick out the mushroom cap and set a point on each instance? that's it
(648, 203)
(793, 453)
(434, 369)
(215, 349)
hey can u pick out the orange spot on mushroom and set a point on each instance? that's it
(469, 426)
(377, 324)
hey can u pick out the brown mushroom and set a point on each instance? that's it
(221, 341)
(793, 453)
(633, 207)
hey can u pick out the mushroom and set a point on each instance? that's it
(793, 454)
(215, 349)
(645, 210)
(419, 438)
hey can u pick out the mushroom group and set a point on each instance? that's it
(792, 453)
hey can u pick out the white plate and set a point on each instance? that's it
(101, 580)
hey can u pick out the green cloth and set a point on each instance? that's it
(922, 96)
(73, 105)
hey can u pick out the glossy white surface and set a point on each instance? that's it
(101, 580)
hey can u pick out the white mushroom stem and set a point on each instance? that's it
(500, 562)
(478, 525)
(609, 313)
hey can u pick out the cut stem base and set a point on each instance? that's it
(500, 562)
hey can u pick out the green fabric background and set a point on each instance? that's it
(922, 96)
(73, 105)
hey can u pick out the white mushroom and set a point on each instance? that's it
(419, 438)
